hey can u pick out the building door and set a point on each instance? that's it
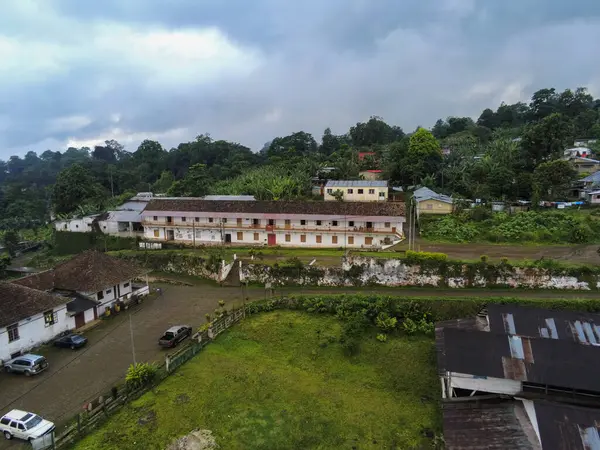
(272, 239)
(228, 238)
(95, 313)
(170, 235)
(79, 319)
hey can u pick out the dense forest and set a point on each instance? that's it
(511, 153)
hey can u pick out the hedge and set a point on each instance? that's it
(69, 243)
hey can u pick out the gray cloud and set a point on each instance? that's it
(81, 72)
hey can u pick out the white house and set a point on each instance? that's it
(29, 317)
(357, 190)
(36, 308)
(195, 221)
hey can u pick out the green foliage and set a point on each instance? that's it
(4, 262)
(385, 322)
(11, 239)
(413, 257)
(409, 326)
(382, 337)
(75, 186)
(140, 374)
(553, 179)
(550, 226)
(70, 243)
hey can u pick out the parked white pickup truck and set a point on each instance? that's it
(24, 425)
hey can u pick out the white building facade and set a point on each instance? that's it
(287, 224)
(357, 190)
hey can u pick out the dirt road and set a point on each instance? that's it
(75, 377)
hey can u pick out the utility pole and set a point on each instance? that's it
(132, 344)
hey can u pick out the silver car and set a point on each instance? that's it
(28, 364)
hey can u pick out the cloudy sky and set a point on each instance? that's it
(78, 72)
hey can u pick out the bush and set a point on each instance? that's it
(413, 257)
(381, 337)
(385, 322)
(409, 326)
(484, 258)
(140, 374)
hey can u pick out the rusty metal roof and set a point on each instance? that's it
(580, 327)
(493, 425)
(553, 362)
(567, 427)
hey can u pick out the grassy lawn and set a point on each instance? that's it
(281, 381)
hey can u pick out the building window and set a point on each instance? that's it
(271, 222)
(256, 236)
(76, 226)
(319, 239)
(238, 221)
(108, 291)
(224, 220)
(334, 239)
(126, 285)
(360, 191)
(288, 222)
(155, 218)
(100, 295)
(350, 191)
(183, 219)
(329, 191)
(13, 332)
(156, 233)
(334, 223)
(351, 223)
(371, 191)
(197, 219)
(302, 238)
(429, 206)
(382, 194)
(255, 221)
(303, 222)
(50, 318)
(318, 223)
(368, 241)
(350, 240)
(387, 225)
(288, 238)
(210, 220)
(240, 236)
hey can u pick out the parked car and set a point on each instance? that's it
(24, 425)
(71, 341)
(175, 335)
(28, 364)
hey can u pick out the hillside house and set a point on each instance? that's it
(66, 297)
(357, 190)
(292, 224)
(585, 165)
(430, 202)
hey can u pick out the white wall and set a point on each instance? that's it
(490, 385)
(33, 332)
(89, 315)
(351, 194)
(108, 295)
(82, 225)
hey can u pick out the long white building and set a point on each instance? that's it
(196, 221)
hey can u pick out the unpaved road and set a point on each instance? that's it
(75, 377)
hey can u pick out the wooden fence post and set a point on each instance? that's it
(167, 361)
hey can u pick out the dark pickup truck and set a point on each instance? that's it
(175, 335)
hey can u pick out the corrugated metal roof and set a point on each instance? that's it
(124, 216)
(230, 197)
(573, 326)
(133, 205)
(356, 183)
(569, 427)
(425, 193)
(490, 425)
(553, 362)
(595, 177)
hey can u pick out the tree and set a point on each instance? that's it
(11, 242)
(374, 132)
(488, 119)
(547, 139)
(74, 186)
(329, 142)
(195, 183)
(424, 154)
(299, 143)
(553, 179)
(165, 181)
(543, 103)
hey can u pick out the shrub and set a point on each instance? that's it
(413, 257)
(385, 322)
(484, 258)
(409, 326)
(140, 374)
(382, 337)
(426, 327)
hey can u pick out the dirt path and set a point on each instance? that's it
(75, 377)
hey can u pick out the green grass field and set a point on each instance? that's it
(281, 381)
